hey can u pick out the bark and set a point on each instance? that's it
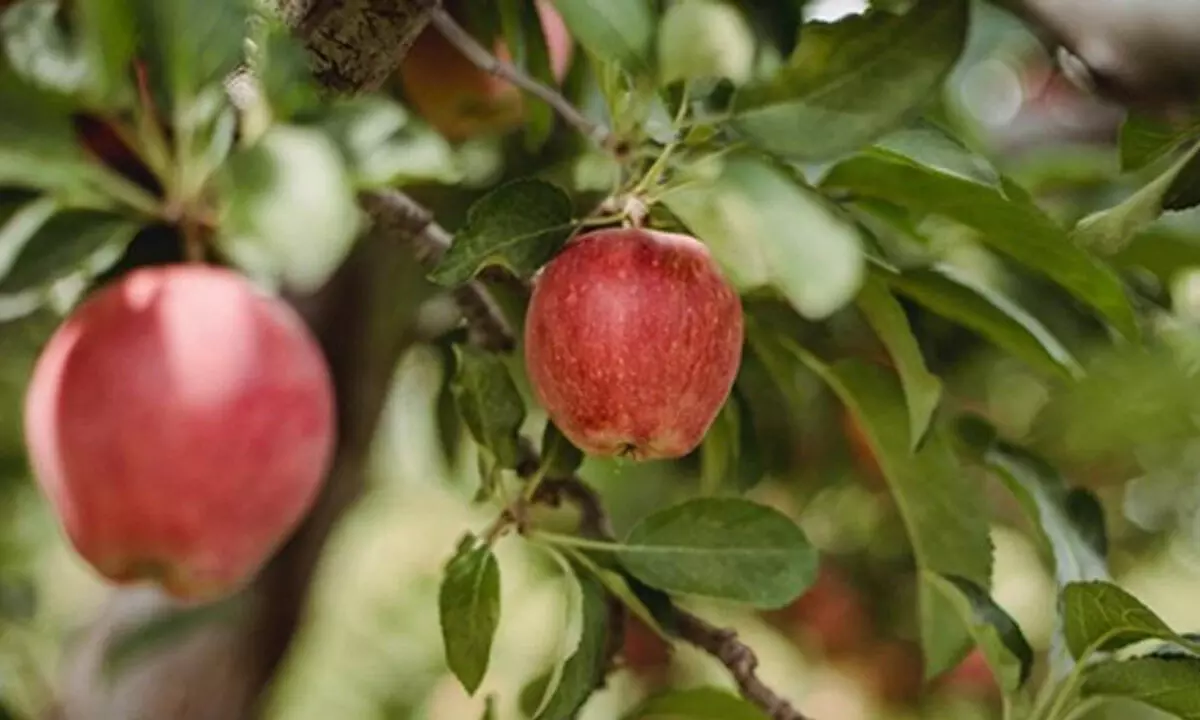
(365, 318)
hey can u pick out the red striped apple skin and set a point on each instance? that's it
(633, 339)
(180, 423)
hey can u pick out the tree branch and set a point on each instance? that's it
(722, 644)
(457, 36)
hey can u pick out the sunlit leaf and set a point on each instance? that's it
(700, 39)
(1014, 227)
(618, 31)
(1172, 686)
(1100, 616)
(764, 228)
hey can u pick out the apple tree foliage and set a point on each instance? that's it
(818, 162)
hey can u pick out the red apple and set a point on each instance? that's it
(644, 651)
(831, 616)
(972, 677)
(180, 423)
(459, 99)
(632, 340)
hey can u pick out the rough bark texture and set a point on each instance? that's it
(365, 318)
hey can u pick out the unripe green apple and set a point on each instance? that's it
(633, 339)
(462, 101)
(180, 423)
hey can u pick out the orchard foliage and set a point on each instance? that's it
(878, 246)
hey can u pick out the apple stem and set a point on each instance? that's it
(479, 55)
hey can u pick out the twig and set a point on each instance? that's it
(489, 329)
(479, 55)
(721, 643)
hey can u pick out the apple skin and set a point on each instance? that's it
(462, 101)
(831, 616)
(180, 423)
(633, 339)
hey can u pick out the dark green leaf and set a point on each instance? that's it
(853, 80)
(1108, 231)
(1172, 686)
(583, 671)
(1100, 616)
(190, 45)
(1145, 139)
(724, 548)
(21, 218)
(162, 630)
(290, 211)
(1016, 228)
(617, 31)
(942, 507)
(67, 243)
(998, 636)
(765, 228)
(519, 226)
(38, 49)
(955, 296)
(697, 704)
(489, 402)
(774, 407)
(559, 456)
(469, 606)
(37, 140)
(922, 389)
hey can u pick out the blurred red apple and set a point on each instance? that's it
(644, 651)
(180, 423)
(831, 617)
(459, 99)
(893, 671)
(972, 677)
(632, 341)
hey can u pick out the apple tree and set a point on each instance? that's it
(747, 254)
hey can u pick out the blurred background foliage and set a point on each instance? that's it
(371, 648)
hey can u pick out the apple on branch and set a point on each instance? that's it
(181, 424)
(633, 340)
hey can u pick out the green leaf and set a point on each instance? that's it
(616, 31)
(697, 704)
(1146, 140)
(922, 389)
(519, 226)
(1101, 617)
(290, 212)
(559, 457)
(489, 709)
(38, 49)
(720, 449)
(724, 548)
(489, 402)
(702, 39)
(943, 508)
(67, 243)
(955, 296)
(853, 80)
(1109, 231)
(162, 630)
(190, 45)
(1172, 686)
(1014, 227)
(765, 228)
(584, 670)
(998, 636)
(106, 39)
(469, 607)
(37, 140)
(21, 217)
